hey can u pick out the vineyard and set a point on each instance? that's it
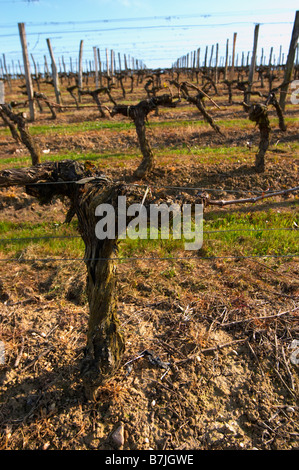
(208, 356)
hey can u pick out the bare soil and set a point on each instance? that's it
(208, 342)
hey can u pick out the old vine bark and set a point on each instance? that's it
(105, 342)
(138, 114)
(259, 114)
(24, 135)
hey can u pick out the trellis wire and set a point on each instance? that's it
(157, 258)
(46, 237)
(54, 237)
(181, 188)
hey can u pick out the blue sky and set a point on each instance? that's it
(154, 31)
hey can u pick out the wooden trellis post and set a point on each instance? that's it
(80, 71)
(35, 72)
(112, 64)
(270, 58)
(211, 56)
(253, 61)
(279, 57)
(96, 71)
(263, 58)
(7, 74)
(100, 67)
(233, 56)
(28, 77)
(206, 56)
(216, 63)
(54, 73)
(290, 62)
(198, 58)
(107, 63)
(46, 68)
(1, 70)
(2, 92)
(226, 60)
(63, 65)
(119, 62)
(20, 68)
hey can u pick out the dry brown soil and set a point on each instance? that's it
(230, 383)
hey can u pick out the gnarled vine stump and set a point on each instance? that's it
(24, 135)
(198, 100)
(105, 342)
(138, 113)
(259, 114)
(43, 97)
(273, 100)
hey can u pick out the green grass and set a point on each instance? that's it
(18, 162)
(242, 233)
(210, 154)
(231, 234)
(16, 240)
(80, 127)
(84, 126)
(74, 128)
(228, 234)
(232, 238)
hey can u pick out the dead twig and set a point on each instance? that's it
(284, 383)
(224, 345)
(211, 349)
(19, 356)
(175, 392)
(34, 361)
(201, 91)
(287, 368)
(250, 199)
(265, 317)
(256, 358)
(170, 349)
